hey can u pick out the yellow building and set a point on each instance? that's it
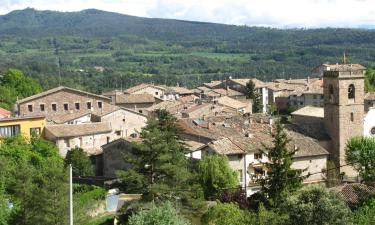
(22, 125)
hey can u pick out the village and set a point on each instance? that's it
(320, 114)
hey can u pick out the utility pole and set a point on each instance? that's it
(70, 195)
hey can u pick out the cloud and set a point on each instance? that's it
(271, 13)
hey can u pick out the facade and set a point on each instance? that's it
(369, 123)
(343, 109)
(237, 106)
(61, 101)
(123, 122)
(136, 102)
(89, 136)
(26, 126)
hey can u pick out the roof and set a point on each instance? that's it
(225, 146)
(310, 111)
(68, 116)
(4, 112)
(196, 107)
(22, 118)
(177, 90)
(187, 99)
(244, 81)
(230, 102)
(343, 67)
(213, 83)
(250, 135)
(76, 130)
(142, 86)
(57, 89)
(135, 98)
(370, 96)
(203, 88)
(354, 193)
(227, 92)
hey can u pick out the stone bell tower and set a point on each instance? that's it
(343, 108)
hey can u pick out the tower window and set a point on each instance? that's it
(351, 91)
(352, 117)
(330, 91)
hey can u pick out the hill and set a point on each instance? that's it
(134, 49)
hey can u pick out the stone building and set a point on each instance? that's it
(61, 101)
(343, 109)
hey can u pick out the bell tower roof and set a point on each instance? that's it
(345, 70)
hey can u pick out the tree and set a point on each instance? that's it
(251, 93)
(81, 164)
(315, 205)
(227, 214)
(281, 179)
(365, 215)
(159, 167)
(216, 176)
(164, 214)
(360, 152)
(370, 80)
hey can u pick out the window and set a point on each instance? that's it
(258, 155)
(240, 175)
(77, 105)
(66, 106)
(108, 140)
(100, 105)
(352, 117)
(259, 172)
(9, 131)
(88, 105)
(54, 107)
(42, 108)
(330, 90)
(133, 135)
(35, 131)
(67, 142)
(156, 93)
(30, 108)
(351, 91)
(314, 97)
(140, 111)
(118, 132)
(372, 131)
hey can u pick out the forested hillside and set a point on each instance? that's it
(134, 49)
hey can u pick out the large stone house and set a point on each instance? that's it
(61, 101)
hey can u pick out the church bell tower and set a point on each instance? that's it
(343, 109)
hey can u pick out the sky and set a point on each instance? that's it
(269, 13)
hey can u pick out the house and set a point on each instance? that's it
(88, 136)
(308, 114)
(242, 139)
(26, 126)
(207, 110)
(154, 90)
(136, 102)
(238, 106)
(124, 123)
(240, 86)
(215, 84)
(60, 101)
(175, 92)
(4, 113)
(78, 117)
(113, 156)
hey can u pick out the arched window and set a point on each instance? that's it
(351, 91)
(330, 92)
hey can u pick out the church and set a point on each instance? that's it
(343, 115)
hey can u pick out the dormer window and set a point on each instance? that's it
(351, 91)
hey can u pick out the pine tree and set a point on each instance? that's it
(251, 93)
(159, 166)
(281, 179)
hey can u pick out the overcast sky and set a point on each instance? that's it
(272, 13)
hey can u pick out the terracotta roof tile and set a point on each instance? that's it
(76, 130)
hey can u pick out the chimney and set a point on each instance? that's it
(308, 79)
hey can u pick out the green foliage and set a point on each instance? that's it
(15, 84)
(86, 198)
(159, 166)
(365, 215)
(315, 205)
(370, 80)
(81, 164)
(216, 176)
(227, 214)
(158, 215)
(360, 152)
(281, 179)
(252, 93)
